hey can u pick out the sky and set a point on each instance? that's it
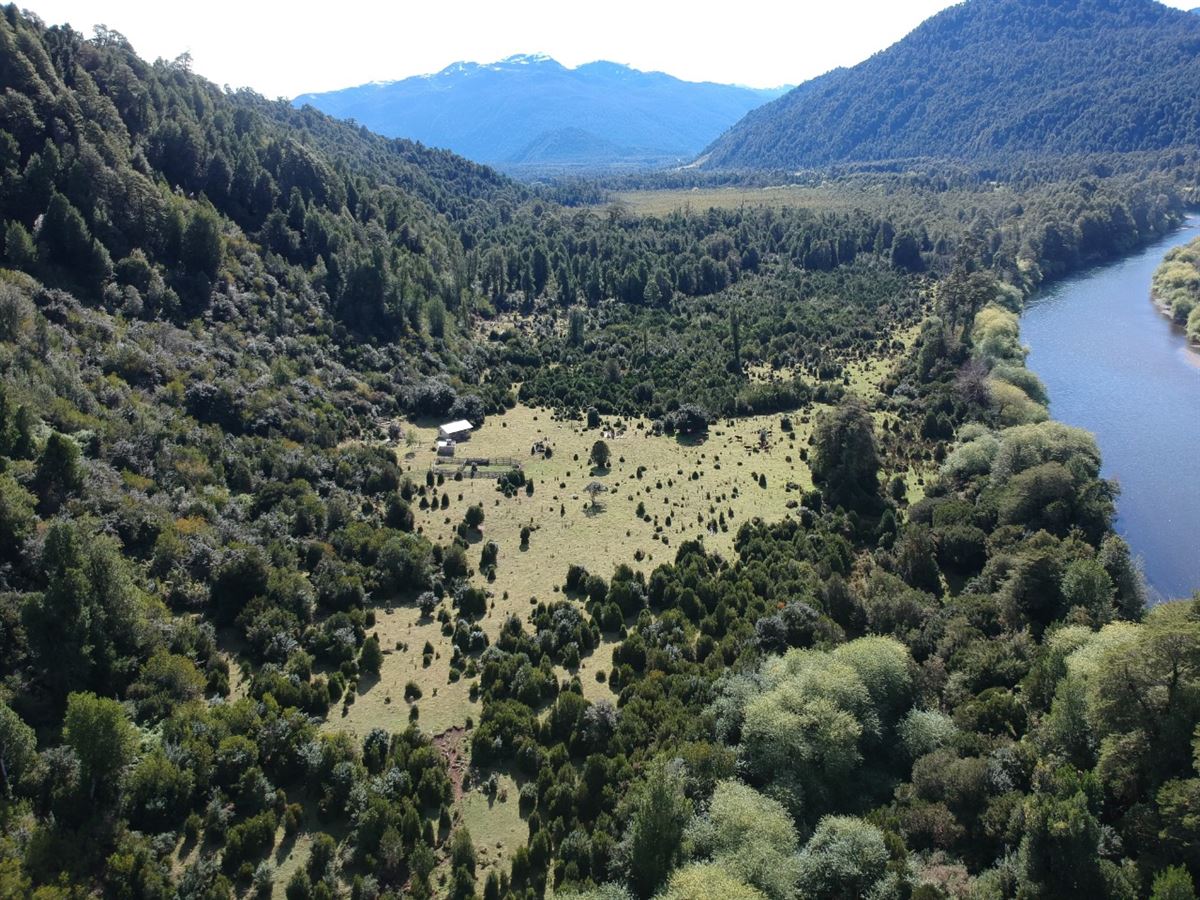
(282, 49)
(285, 49)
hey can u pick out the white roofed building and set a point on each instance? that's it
(455, 431)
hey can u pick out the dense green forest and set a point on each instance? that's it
(810, 291)
(989, 80)
(1176, 285)
(214, 309)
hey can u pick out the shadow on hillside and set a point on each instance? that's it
(366, 681)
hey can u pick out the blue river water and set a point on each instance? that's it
(1115, 365)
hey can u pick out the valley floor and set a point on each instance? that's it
(686, 486)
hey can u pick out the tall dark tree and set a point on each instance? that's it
(600, 455)
(735, 337)
(58, 475)
(845, 457)
(659, 811)
(202, 243)
(69, 244)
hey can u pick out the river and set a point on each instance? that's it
(1115, 365)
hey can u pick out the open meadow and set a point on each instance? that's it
(658, 492)
(875, 195)
(686, 490)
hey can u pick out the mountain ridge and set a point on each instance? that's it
(987, 79)
(493, 112)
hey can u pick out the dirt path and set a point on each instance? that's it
(451, 743)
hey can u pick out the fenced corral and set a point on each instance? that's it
(476, 466)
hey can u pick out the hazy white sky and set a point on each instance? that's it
(285, 49)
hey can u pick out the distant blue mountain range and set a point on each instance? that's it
(531, 111)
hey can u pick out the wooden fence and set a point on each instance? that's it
(476, 466)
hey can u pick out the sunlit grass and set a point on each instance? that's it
(685, 486)
(856, 193)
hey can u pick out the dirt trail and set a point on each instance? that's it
(451, 743)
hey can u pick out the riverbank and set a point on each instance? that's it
(1104, 356)
(1192, 338)
(1175, 289)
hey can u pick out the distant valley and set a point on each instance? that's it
(531, 112)
(706, 524)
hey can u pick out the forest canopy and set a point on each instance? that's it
(932, 675)
(992, 81)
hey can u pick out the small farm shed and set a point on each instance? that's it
(455, 431)
(445, 448)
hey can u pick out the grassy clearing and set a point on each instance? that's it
(865, 375)
(685, 487)
(381, 704)
(680, 481)
(665, 202)
(681, 484)
(286, 863)
(856, 193)
(495, 823)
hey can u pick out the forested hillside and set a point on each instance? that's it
(222, 322)
(990, 79)
(530, 113)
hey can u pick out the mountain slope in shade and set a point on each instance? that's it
(565, 146)
(531, 109)
(989, 78)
